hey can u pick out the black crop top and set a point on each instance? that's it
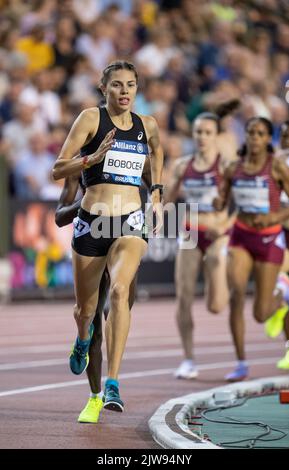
(124, 162)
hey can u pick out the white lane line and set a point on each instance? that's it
(31, 364)
(134, 375)
(146, 355)
(142, 342)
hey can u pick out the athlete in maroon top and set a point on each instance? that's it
(203, 239)
(257, 240)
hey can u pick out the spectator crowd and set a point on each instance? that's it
(191, 56)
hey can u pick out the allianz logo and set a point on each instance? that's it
(124, 146)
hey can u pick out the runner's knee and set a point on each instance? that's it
(119, 293)
(215, 306)
(185, 323)
(237, 293)
(184, 317)
(261, 312)
(184, 305)
(84, 312)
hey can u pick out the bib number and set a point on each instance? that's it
(254, 199)
(136, 220)
(80, 227)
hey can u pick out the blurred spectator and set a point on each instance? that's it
(17, 132)
(223, 10)
(39, 53)
(154, 57)
(280, 70)
(124, 5)
(98, 44)
(127, 43)
(9, 102)
(146, 11)
(9, 36)
(33, 171)
(4, 82)
(63, 45)
(191, 56)
(260, 46)
(42, 12)
(279, 114)
(148, 98)
(16, 67)
(211, 52)
(86, 11)
(47, 101)
(282, 39)
(178, 70)
(83, 81)
(58, 81)
(57, 137)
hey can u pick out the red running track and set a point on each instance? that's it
(40, 399)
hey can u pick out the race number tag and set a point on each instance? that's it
(203, 197)
(136, 220)
(201, 191)
(80, 227)
(124, 162)
(252, 196)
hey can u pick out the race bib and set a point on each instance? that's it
(136, 220)
(252, 196)
(80, 227)
(125, 162)
(201, 192)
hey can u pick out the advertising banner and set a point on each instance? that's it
(40, 255)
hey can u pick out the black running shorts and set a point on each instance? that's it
(93, 235)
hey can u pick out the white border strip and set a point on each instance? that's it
(169, 439)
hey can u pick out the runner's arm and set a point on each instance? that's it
(67, 206)
(81, 132)
(172, 189)
(146, 175)
(222, 199)
(156, 154)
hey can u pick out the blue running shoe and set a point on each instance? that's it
(240, 373)
(79, 358)
(112, 399)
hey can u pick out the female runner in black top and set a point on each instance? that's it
(109, 230)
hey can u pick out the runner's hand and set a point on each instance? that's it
(159, 213)
(218, 203)
(100, 153)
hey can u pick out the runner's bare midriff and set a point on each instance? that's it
(111, 199)
(212, 220)
(247, 219)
